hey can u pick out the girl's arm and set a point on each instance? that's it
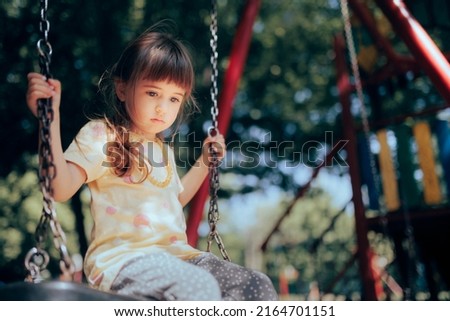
(198, 172)
(69, 177)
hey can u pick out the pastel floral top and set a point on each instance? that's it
(130, 219)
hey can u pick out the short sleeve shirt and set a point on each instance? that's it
(130, 219)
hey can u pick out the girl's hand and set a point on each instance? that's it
(217, 144)
(39, 87)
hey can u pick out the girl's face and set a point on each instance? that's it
(155, 106)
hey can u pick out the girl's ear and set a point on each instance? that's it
(120, 87)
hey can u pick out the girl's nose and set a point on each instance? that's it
(159, 110)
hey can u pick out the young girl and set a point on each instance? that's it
(138, 242)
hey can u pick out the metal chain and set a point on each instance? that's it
(37, 258)
(359, 91)
(213, 213)
(214, 72)
(356, 75)
(43, 45)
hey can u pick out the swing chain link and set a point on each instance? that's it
(43, 45)
(214, 185)
(359, 89)
(37, 259)
(214, 71)
(213, 213)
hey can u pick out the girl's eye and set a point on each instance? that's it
(174, 100)
(151, 93)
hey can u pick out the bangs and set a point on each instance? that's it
(166, 62)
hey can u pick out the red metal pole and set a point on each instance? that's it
(364, 14)
(428, 55)
(366, 17)
(238, 56)
(364, 253)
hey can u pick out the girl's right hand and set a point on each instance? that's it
(39, 87)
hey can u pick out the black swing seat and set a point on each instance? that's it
(56, 291)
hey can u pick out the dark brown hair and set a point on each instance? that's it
(154, 55)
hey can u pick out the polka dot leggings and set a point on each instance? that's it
(162, 276)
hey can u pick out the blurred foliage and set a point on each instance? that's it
(303, 244)
(287, 94)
